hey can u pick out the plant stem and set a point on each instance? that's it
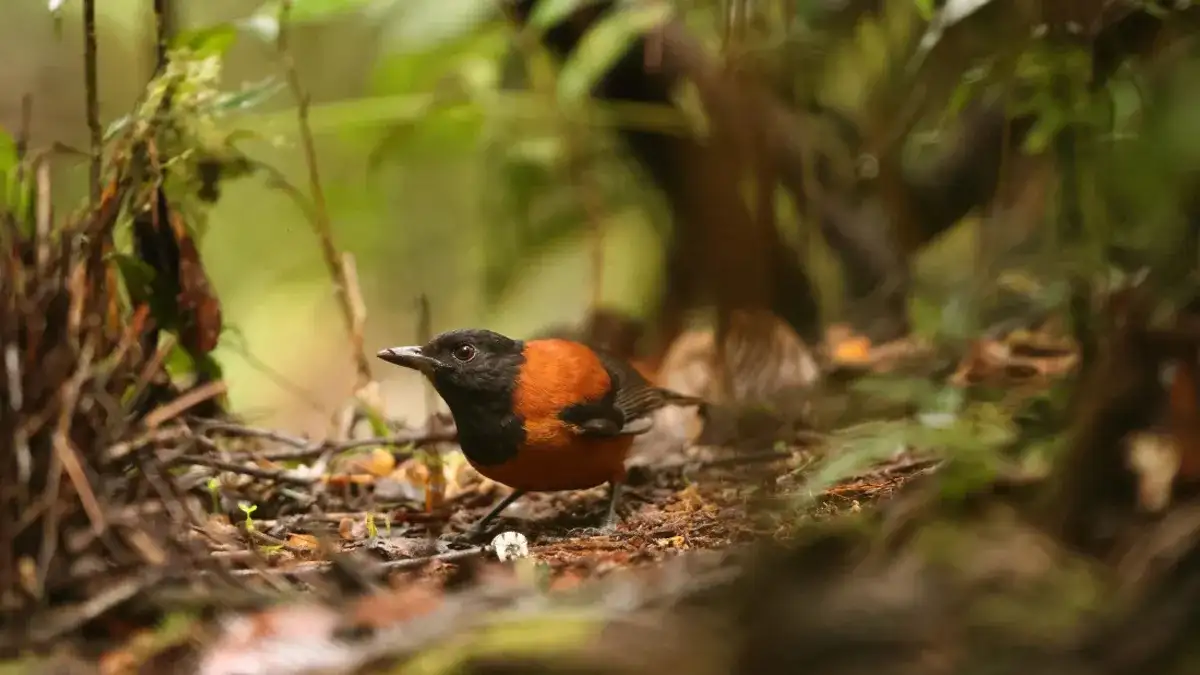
(93, 99)
(320, 211)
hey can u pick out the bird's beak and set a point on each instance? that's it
(409, 357)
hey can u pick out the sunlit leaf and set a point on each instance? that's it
(210, 41)
(263, 26)
(550, 12)
(250, 96)
(1043, 132)
(423, 24)
(604, 44)
(8, 153)
(925, 8)
(954, 11)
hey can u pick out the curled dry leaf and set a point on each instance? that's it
(305, 542)
(412, 476)
(378, 462)
(199, 309)
(352, 529)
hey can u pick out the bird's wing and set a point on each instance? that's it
(627, 408)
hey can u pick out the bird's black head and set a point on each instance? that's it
(465, 366)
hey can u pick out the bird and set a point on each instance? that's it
(541, 415)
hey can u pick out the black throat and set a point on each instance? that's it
(489, 432)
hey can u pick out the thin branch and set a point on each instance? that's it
(306, 449)
(276, 475)
(321, 222)
(318, 566)
(179, 405)
(452, 556)
(93, 99)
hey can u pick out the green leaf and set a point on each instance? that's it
(138, 277)
(925, 9)
(8, 151)
(551, 12)
(250, 96)
(603, 45)
(317, 10)
(210, 41)
(418, 25)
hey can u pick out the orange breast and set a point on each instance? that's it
(578, 465)
(556, 375)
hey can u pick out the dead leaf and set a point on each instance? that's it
(379, 462)
(305, 542)
(352, 529)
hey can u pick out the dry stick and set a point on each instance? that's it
(169, 411)
(391, 565)
(321, 222)
(276, 475)
(305, 449)
(64, 448)
(93, 99)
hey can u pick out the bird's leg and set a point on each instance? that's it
(479, 526)
(614, 496)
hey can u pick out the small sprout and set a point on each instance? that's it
(372, 531)
(214, 490)
(510, 545)
(247, 509)
(387, 524)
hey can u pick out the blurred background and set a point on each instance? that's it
(408, 186)
(440, 182)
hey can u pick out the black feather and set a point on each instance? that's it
(626, 408)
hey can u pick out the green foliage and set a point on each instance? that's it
(205, 42)
(604, 44)
(248, 509)
(548, 13)
(214, 492)
(321, 10)
(15, 197)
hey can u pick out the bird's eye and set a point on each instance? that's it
(464, 353)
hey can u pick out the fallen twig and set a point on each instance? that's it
(306, 449)
(452, 556)
(190, 398)
(276, 475)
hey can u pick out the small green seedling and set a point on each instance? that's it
(248, 509)
(372, 531)
(387, 524)
(214, 491)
